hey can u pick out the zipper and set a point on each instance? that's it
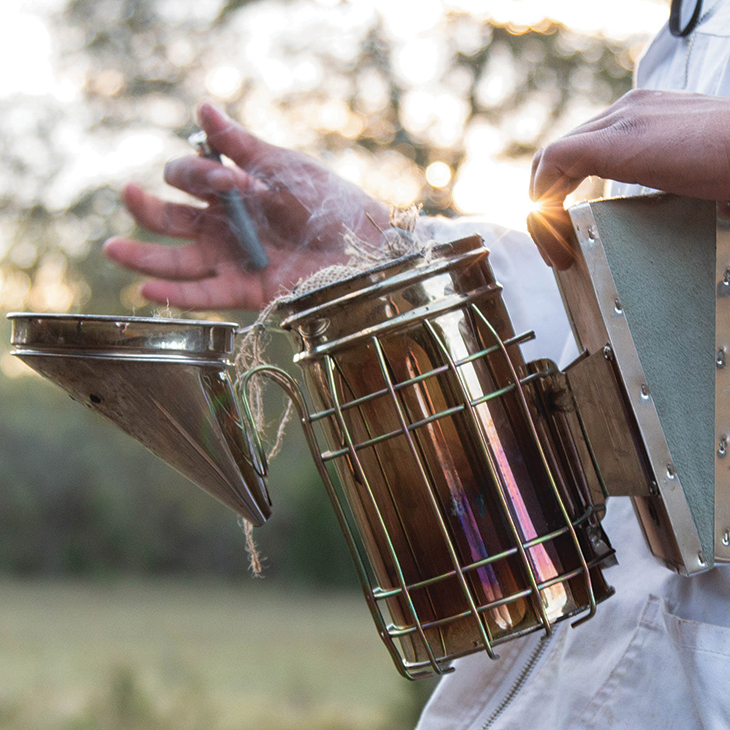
(519, 682)
(691, 40)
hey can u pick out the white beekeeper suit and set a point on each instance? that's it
(657, 654)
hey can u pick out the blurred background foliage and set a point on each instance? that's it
(440, 103)
(437, 106)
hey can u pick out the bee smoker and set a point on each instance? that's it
(469, 484)
(466, 511)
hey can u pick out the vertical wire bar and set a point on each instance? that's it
(496, 474)
(391, 549)
(483, 628)
(543, 458)
(386, 482)
(291, 388)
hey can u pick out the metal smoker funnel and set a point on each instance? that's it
(165, 382)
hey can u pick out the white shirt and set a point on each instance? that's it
(657, 654)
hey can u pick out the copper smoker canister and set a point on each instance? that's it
(459, 489)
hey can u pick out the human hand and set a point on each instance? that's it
(300, 209)
(674, 141)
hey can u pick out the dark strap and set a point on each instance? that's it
(675, 16)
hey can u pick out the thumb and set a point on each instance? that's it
(552, 232)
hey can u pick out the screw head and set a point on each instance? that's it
(608, 352)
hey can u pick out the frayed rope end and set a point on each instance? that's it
(254, 557)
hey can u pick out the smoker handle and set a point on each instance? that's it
(290, 386)
(251, 430)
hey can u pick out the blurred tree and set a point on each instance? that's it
(412, 115)
(378, 104)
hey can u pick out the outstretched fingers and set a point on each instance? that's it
(160, 216)
(224, 290)
(206, 178)
(178, 263)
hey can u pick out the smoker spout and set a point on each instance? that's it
(166, 383)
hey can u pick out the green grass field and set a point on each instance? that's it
(158, 655)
